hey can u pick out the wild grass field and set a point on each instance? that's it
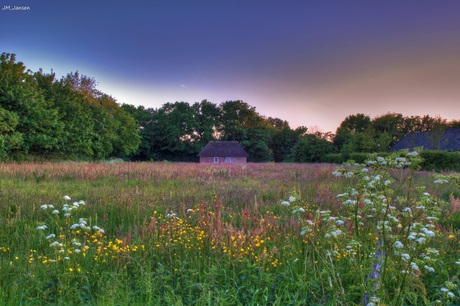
(256, 234)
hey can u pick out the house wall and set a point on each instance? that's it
(210, 160)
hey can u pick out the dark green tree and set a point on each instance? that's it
(37, 119)
(10, 139)
(208, 115)
(240, 121)
(348, 129)
(174, 135)
(146, 119)
(310, 148)
(78, 135)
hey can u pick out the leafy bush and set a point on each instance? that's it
(333, 158)
(440, 160)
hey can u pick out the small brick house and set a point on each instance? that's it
(219, 152)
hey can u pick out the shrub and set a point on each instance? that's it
(440, 160)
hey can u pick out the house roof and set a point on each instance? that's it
(447, 140)
(223, 149)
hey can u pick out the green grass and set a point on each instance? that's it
(190, 234)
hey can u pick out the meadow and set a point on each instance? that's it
(380, 233)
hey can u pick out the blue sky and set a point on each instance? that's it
(311, 63)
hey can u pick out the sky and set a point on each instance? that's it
(311, 63)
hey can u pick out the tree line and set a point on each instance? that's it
(69, 118)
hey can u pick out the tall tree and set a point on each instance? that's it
(310, 148)
(351, 126)
(38, 122)
(240, 122)
(78, 135)
(10, 139)
(208, 116)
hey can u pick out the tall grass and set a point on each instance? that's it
(191, 234)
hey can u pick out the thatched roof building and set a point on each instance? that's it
(447, 140)
(223, 152)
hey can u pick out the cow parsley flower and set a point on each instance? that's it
(451, 295)
(421, 240)
(414, 266)
(405, 257)
(441, 181)
(41, 227)
(67, 198)
(399, 245)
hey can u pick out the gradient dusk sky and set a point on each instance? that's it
(311, 63)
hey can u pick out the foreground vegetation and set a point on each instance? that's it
(255, 234)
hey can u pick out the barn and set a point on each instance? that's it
(446, 140)
(218, 152)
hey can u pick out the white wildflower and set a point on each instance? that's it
(441, 181)
(413, 153)
(74, 226)
(399, 245)
(428, 268)
(414, 266)
(55, 212)
(339, 222)
(451, 295)
(291, 199)
(77, 250)
(170, 216)
(336, 233)
(368, 202)
(67, 198)
(421, 240)
(41, 227)
(50, 236)
(405, 256)
(285, 203)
